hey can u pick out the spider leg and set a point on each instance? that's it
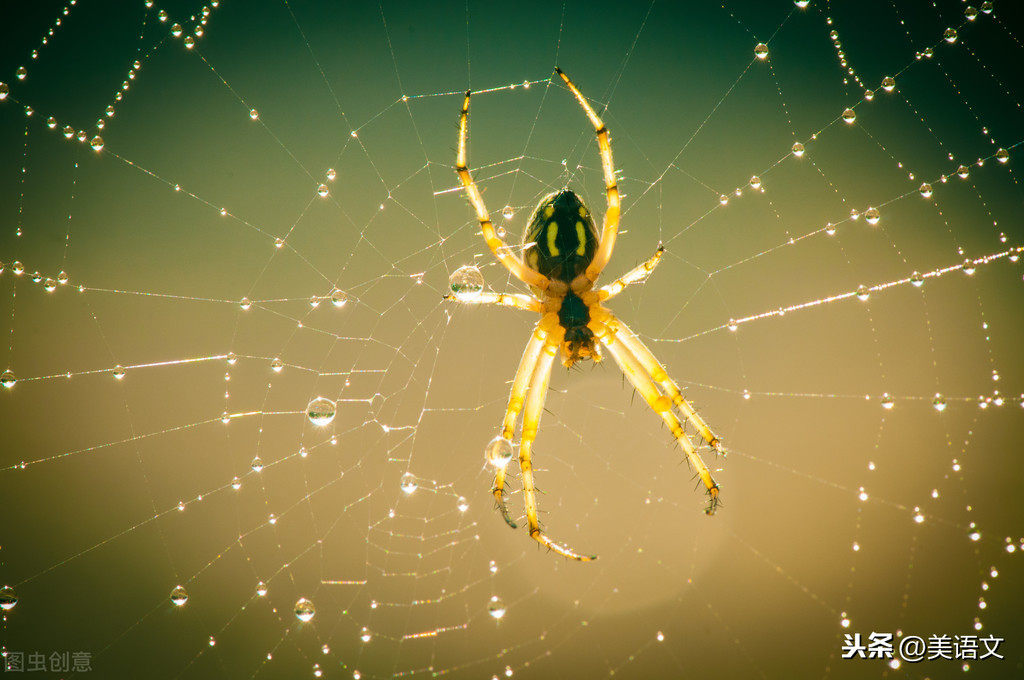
(531, 421)
(611, 216)
(661, 404)
(515, 300)
(635, 275)
(653, 367)
(501, 251)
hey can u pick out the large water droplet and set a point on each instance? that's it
(798, 149)
(888, 83)
(7, 379)
(321, 411)
(304, 610)
(409, 483)
(949, 35)
(179, 596)
(496, 607)
(925, 189)
(466, 282)
(498, 452)
(849, 115)
(338, 298)
(871, 215)
(257, 464)
(761, 51)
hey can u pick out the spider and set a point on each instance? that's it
(563, 255)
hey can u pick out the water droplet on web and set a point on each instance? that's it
(916, 280)
(986, 7)
(304, 610)
(963, 172)
(190, 42)
(733, 325)
(51, 122)
(761, 51)
(830, 229)
(1002, 155)
(871, 215)
(462, 504)
(21, 73)
(257, 464)
(968, 266)
(365, 635)
(322, 190)
(868, 95)
(887, 402)
(466, 282)
(314, 301)
(245, 303)
(50, 285)
(849, 115)
(949, 35)
(7, 379)
(236, 483)
(863, 293)
(888, 83)
(254, 114)
(854, 214)
(498, 452)
(261, 589)
(338, 298)
(176, 30)
(925, 189)
(409, 483)
(970, 13)
(69, 132)
(801, 4)
(96, 143)
(496, 607)
(4, 91)
(276, 365)
(321, 411)
(162, 15)
(723, 199)
(17, 267)
(62, 278)
(798, 149)
(507, 212)
(118, 372)
(179, 596)
(37, 277)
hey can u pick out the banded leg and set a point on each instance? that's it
(515, 300)
(501, 251)
(611, 216)
(531, 421)
(662, 405)
(635, 275)
(653, 367)
(524, 374)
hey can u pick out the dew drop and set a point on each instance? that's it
(7, 379)
(261, 589)
(507, 212)
(949, 35)
(366, 635)
(939, 403)
(798, 149)
(4, 91)
(257, 464)
(761, 51)
(321, 411)
(179, 596)
(50, 285)
(986, 7)
(963, 172)
(863, 293)
(849, 116)
(466, 282)
(925, 189)
(190, 42)
(322, 190)
(462, 504)
(733, 325)
(21, 73)
(68, 132)
(496, 607)
(1002, 155)
(51, 122)
(96, 143)
(755, 182)
(871, 215)
(118, 372)
(245, 303)
(314, 301)
(868, 95)
(409, 483)
(276, 365)
(887, 402)
(338, 298)
(888, 83)
(18, 268)
(498, 452)
(236, 483)
(723, 199)
(970, 13)
(968, 267)
(176, 30)
(304, 610)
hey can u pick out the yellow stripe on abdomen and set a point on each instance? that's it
(552, 235)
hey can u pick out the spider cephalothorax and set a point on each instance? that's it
(563, 254)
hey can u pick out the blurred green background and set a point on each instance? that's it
(114, 491)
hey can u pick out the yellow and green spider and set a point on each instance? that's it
(563, 255)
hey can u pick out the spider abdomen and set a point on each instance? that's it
(563, 237)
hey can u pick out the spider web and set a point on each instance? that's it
(272, 216)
